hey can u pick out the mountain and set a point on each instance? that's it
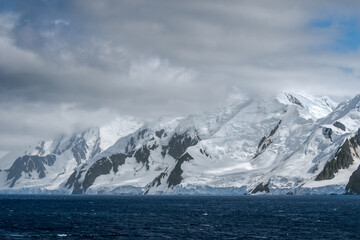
(288, 144)
(44, 167)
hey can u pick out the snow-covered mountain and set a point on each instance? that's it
(288, 144)
(47, 165)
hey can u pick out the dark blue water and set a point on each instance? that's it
(104, 217)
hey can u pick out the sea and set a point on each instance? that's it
(179, 217)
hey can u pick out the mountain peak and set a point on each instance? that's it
(310, 107)
(275, 142)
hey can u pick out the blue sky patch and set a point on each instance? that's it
(347, 38)
(321, 23)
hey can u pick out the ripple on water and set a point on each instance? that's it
(105, 217)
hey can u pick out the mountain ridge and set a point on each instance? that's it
(277, 145)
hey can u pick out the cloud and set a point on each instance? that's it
(237, 43)
(25, 124)
(149, 59)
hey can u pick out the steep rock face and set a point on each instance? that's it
(28, 164)
(294, 100)
(262, 187)
(79, 151)
(180, 142)
(157, 181)
(327, 132)
(339, 125)
(266, 141)
(142, 156)
(175, 175)
(101, 167)
(144, 147)
(353, 186)
(161, 133)
(83, 146)
(344, 157)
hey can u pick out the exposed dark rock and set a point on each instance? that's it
(275, 129)
(344, 157)
(157, 181)
(154, 146)
(339, 125)
(160, 133)
(99, 168)
(353, 186)
(28, 164)
(141, 134)
(130, 147)
(71, 142)
(204, 152)
(71, 180)
(294, 100)
(118, 160)
(261, 145)
(142, 155)
(102, 166)
(163, 151)
(176, 148)
(261, 188)
(327, 132)
(79, 151)
(175, 175)
(266, 141)
(179, 143)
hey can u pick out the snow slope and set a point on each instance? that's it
(32, 170)
(289, 144)
(259, 145)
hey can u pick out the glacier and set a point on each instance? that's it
(291, 143)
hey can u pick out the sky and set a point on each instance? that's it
(66, 65)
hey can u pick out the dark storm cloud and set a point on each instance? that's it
(150, 58)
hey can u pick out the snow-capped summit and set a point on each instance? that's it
(119, 127)
(310, 107)
(292, 143)
(230, 147)
(51, 162)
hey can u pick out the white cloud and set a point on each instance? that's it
(102, 59)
